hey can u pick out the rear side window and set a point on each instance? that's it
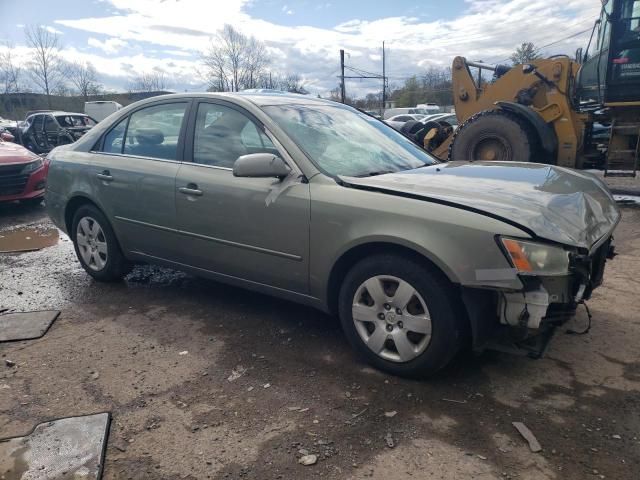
(114, 140)
(154, 131)
(50, 124)
(38, 122)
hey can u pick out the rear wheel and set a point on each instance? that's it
(399, 316)
(494, 135)
(96, 245)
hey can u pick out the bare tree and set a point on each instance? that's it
(153, 81)
(10, 72)
(84, 78)
(525, 53)
(292, 83)
(234, 61)
(45, 67)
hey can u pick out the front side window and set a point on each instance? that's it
(222, 134)
(343, 141)
(75, 121)
(154, 131)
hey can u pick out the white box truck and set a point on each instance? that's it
(101, 109)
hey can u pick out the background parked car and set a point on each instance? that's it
(45, 130)
(397, 121)
(101, 109)
(22, 174)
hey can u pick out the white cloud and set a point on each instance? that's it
(486, 29)
(51, 29)
(110, 46)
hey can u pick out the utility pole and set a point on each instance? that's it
(342, 76)
(384, 81)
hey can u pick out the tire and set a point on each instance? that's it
(97, 249)
(434, 333)
(495, 135)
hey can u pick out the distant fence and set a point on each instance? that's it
(14, 106)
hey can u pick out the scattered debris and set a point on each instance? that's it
(308, 460)
(390, 414)
(389, 440)
(356, 415)
(26, 325)
(534, 445)
(453, 401)
(9, 363)
(62, 448)
(236, 373)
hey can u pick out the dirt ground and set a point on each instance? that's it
(209, 381)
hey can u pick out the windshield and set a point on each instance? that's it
(343, 141)
(75, 121)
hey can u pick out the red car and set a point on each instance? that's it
(22, 174)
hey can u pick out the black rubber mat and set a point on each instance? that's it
(67, 448)
(26, 325)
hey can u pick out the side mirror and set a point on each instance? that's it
(527, 68)
(260, 165)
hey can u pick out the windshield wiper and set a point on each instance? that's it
(376, 172)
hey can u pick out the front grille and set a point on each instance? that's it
(12, 182)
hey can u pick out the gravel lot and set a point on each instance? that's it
(209, 381)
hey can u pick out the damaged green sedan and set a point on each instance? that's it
(318, 203)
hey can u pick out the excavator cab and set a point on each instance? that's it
(611, 75)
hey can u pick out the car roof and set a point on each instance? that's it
(257, 98)
(56, 113)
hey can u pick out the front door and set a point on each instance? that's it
(256, 229)
(134, 177)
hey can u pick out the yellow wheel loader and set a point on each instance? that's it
(545, 111)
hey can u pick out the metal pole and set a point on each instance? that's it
(384, 81)
(342, 76)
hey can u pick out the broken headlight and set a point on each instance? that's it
(531, 258)
(32, 167)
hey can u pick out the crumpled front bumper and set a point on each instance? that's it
(500, 317)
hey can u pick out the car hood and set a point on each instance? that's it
(14, 153)
(554, 203)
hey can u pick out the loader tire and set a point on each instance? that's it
(495, 135)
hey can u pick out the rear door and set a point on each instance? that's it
(37, 132)
(134, 177)
(256, 229)
(51, 131)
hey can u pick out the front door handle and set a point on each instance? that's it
(105, 175)
(191, 189)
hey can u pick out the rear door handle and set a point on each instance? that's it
(105, 175)
(191, 189)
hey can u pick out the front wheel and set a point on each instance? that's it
(400, 316)
(96, 245)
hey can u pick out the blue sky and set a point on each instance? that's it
(123, 38)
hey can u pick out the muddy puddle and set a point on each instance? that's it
(28, 239)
